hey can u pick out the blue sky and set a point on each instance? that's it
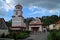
(31, 8)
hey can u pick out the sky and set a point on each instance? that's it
(31, 8)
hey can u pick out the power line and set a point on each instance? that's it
(6, 3)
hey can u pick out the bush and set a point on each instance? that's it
(22, 35)
(26, 31)
(54, 35)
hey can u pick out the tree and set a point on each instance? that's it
(54, 35)
(54, 18)
(28, 20)
(9, 23)
(47, 20)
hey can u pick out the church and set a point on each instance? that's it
(18, 21)
(36, 25)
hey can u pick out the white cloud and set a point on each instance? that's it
(54, 11)
(43, 6)
(35, 12)
(32, 8)
(8, 1)
(4, 7)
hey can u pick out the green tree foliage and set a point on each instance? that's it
(28, 20)
(9, 23)
(47, 20)
(54, 35)
(20, 35)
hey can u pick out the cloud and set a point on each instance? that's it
(43, 11)
(1, 4)
(3, 12)
(54, 12)
(44, 5)
(49, 4)
(4, 7)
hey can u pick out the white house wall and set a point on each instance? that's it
(40, 28)
(51, 27)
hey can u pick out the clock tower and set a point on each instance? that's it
(17, 19)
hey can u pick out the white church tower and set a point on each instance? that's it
(17, 19)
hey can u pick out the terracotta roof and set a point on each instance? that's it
(35, 22)
(17, 26)
(1, 19)
(57, 22)
(18, 5)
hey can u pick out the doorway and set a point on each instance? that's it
(35, 29)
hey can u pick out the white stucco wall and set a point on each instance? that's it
(17, 21)
(40, 28)
(19, 12)
(51, 26)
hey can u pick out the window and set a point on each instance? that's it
(13, 16)
(16, 12)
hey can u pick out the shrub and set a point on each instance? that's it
(22, 35)
(54, 35)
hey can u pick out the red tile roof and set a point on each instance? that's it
(1, 19)
(18, 5)
(57, 22)
(36, 22)
(17, 26)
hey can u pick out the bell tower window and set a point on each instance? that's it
(16, 12)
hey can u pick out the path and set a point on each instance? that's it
(39, 36)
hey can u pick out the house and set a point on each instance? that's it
(17, 19)
(3, 27)
(36, 25)
(51, 26)
(55, 25)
